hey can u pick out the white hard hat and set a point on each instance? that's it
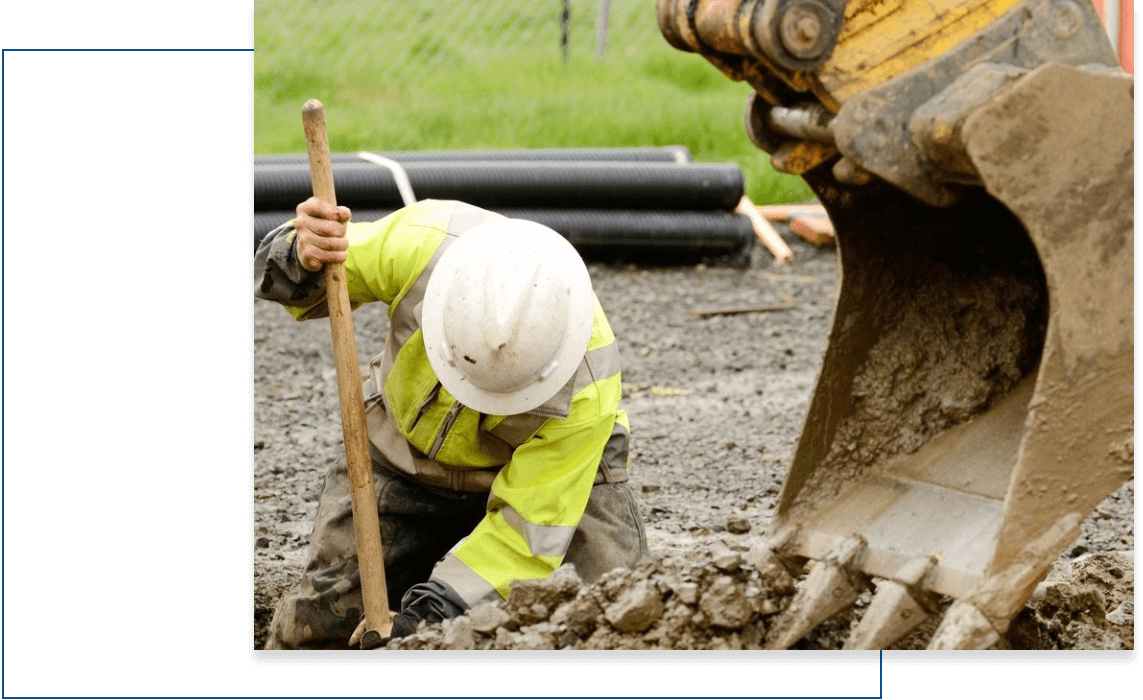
(507, 316)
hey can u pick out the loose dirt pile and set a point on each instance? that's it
(716, 399)
(723, 599)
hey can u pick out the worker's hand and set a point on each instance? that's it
(404, 624)
(372, 641)
(320, 233)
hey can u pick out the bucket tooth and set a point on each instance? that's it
(892, 614)
(831, 586)
(825, 592)
(964, 627)
(899, 605)
(979, 620)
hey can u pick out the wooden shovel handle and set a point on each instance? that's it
(366, 527)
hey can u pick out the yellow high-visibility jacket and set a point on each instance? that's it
(538, 467)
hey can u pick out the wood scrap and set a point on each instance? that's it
(735, 310)
(815, 230)
(765, 232)
(809, 220)
(783, 212)
(782, 277)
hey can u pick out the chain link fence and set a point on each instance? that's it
(406, 40)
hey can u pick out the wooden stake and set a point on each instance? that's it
(736, 310)
(783, 212)
(764, 231)
(366, 526)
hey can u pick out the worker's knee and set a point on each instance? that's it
(318, 621)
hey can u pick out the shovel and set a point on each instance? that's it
(366, 528)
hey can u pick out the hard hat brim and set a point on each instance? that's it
(508, 234)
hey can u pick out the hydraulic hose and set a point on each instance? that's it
(609, 234)
(535, 185)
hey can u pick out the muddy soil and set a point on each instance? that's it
(716, 403)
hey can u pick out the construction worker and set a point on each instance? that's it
(499, 449)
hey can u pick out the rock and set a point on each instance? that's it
(1081, 636)
(535, 638)
(687, 591)
(458, 634)
(1123, 614)
(737, 525)
(531, 601)
(1082, 604)
(580, 616)
(1111, 572)
(725, 558)
(503, 639)
(725, 604)
(566, 580)
(613, 583)
(486, 618)
(635, 609)
(778, 579)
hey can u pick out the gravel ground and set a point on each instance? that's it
(716, 404)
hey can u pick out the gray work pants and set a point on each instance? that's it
(418, 526)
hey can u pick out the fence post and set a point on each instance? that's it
(565, 15)
(604, 16)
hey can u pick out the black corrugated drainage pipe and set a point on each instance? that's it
(489, 184)
(650, 154)
(612, 234)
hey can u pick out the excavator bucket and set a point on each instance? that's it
(975, 400)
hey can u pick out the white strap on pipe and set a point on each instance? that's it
(399, 174)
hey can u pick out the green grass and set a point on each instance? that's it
(428, 92)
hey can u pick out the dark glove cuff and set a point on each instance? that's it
(433, 601)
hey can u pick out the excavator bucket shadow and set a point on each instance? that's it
(976, 396)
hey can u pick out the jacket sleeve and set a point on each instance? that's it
(385, 257)
(534, 508)
(280, 277)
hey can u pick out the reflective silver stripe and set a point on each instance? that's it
(598, 364)
(404, 321)
(603, 362)
(543, 540)
(467, 583)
